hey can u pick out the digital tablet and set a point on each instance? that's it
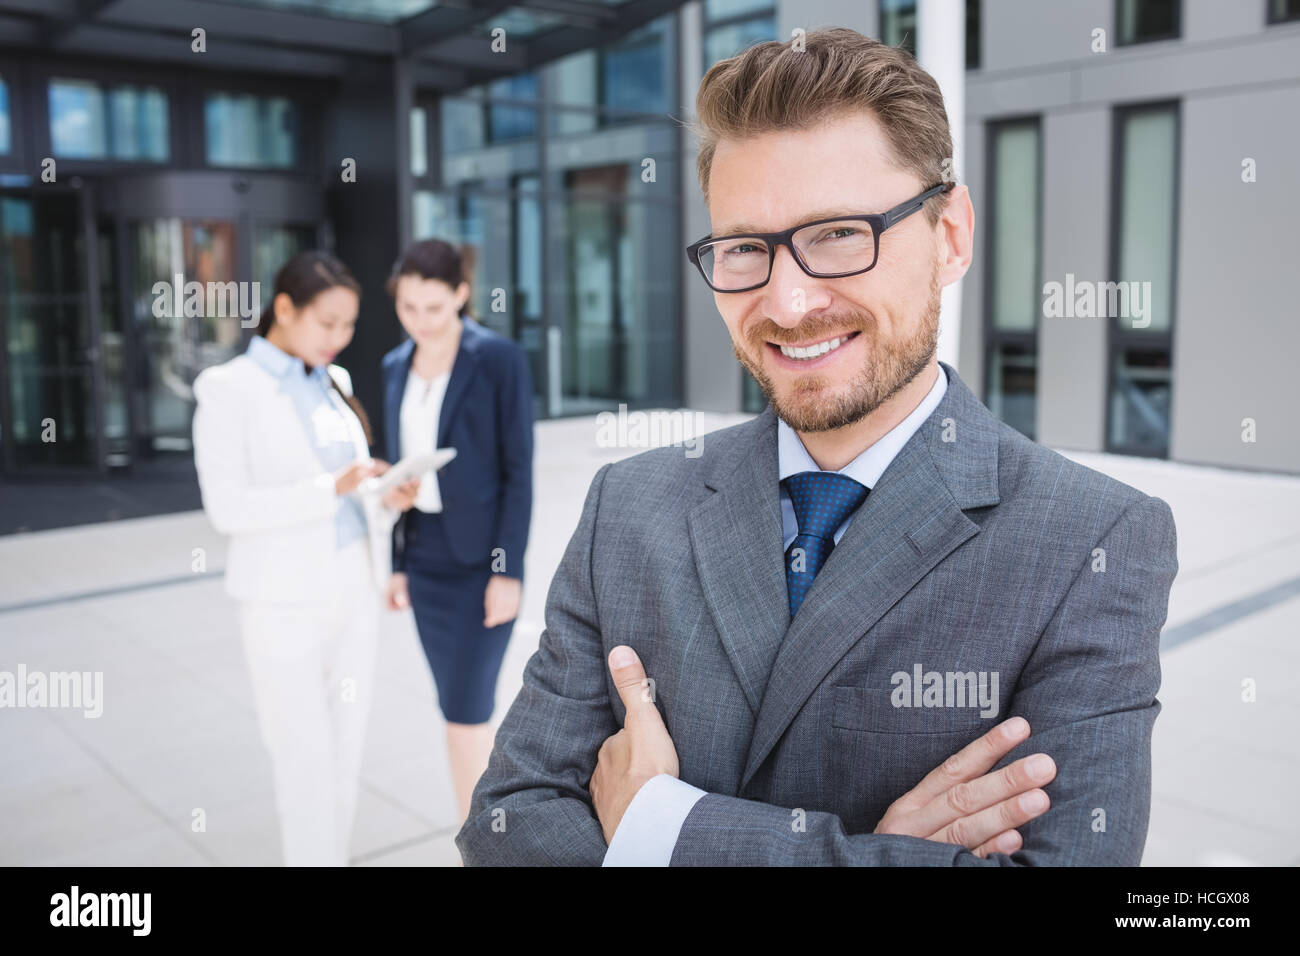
(413, 466)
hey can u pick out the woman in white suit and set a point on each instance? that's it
(280, 446)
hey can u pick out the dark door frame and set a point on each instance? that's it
(84, 191)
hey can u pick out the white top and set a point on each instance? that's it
(421, 409)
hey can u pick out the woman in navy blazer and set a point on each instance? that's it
(458, 554)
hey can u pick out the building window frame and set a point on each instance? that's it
(17, 159)
(1120, 340)
(1175, 34)
(37, 99)
(995, 338)
(306, 149)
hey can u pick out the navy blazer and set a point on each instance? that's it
(487, 416)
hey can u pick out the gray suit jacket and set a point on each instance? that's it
(976, 551)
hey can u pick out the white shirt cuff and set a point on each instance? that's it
(647, 834)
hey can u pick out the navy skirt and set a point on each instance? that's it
(447, 599)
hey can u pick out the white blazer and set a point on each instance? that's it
(263, 485)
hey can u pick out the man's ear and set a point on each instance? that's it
(956, 235)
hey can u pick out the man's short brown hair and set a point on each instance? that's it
(773, 86)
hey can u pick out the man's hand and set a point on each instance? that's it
(641, 750)
(960, 802)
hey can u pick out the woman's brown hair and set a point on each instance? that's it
(302, 278)
(435, 259)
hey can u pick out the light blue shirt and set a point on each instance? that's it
(312, 396)
(647, 834)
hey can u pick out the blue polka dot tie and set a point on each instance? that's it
(822, 500)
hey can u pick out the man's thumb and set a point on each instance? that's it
(634, 688)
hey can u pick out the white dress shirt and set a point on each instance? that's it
(647, 834)
(421, 409)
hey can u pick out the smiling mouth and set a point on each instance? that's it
(815, 350)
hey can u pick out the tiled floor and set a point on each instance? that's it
(173, 771)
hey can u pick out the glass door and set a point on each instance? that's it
(593, 325)
(177, 334)
(49, 375)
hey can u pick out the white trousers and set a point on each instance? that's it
(313, 669)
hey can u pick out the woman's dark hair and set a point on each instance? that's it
(302, 278)
(435, 259)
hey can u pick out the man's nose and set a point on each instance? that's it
(791, 292)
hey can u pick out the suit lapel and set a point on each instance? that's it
(736, 541)
(912, 519)
(462, 373)
(396, 387)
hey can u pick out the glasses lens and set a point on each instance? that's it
(735, 263)
(834, 247)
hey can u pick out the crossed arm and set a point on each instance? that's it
(1087, 691)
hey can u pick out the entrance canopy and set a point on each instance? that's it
(447, 45)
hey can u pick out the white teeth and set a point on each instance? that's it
(813, 351)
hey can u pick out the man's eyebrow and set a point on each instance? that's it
(745, 228)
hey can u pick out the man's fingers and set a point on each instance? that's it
(973, 760)
(971, 796)
(629, 678)
(975, 830)
(1008, 841)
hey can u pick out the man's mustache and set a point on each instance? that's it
(810, 329)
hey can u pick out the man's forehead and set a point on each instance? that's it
(742, 210)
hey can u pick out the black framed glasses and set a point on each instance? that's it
(824, 248)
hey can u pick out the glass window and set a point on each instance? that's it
(632, 72)
(243, 129)
(1146, 216)
(4, 116)
(752, 398)
(89, 121)
(972, 34)
(1141, 21)
(1141, 308)
(1139, 402)
(722, 9)
(382, 11)
(1013, 384)
(519, 86)
(1011, 371)
(1282, 10)
(462, 125)
(1014, 227)
(419, 142)
(898, 24)
(572, 80)
(507, 123)
(727, 41)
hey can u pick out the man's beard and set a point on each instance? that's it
(888, 368)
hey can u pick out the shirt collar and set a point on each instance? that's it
(279, 362)
(867, 468)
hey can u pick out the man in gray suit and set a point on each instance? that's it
(874, 625)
